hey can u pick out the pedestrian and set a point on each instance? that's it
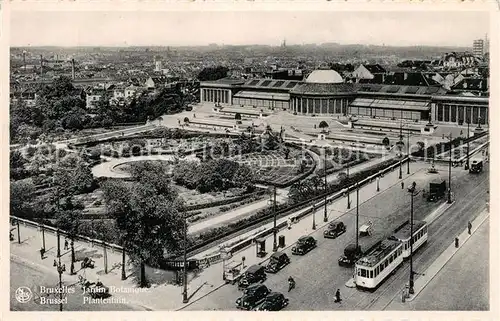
(402, 185)
(55, 263)
(291, 283)
(337, 296)
(469, 227)
(65, 244)
(289, 222)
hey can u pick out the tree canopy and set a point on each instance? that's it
(213, 73)
(148, 214)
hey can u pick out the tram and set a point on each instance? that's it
(372, 269)
(402, 234)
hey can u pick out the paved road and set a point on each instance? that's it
(463, 284)
(22, 274)
(318, 275)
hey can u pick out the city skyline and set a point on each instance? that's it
(122, 29)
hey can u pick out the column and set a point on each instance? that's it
(201, 94)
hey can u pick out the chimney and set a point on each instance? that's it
(41, 66)
(73, 69)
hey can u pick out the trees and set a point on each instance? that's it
(323, 125)
(148, 214)
(212, 73)
(214, 175)
(21, 193)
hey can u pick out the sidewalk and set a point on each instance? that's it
(422, 280)
(163, 295)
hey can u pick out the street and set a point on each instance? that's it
(318, 275)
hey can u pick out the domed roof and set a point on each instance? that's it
(324, 77)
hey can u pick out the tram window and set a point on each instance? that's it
(363, 273)
(359, 272)
(371, 274)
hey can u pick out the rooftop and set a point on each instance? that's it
(378, 253)
(323, 89)
(324, 77)
(403, 233)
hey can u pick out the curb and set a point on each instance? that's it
(201, 297)
(482, 220)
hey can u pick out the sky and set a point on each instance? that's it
(146, 28)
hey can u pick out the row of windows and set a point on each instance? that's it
(381, 266)
(416, 237)
(461, 114)
(388, 113)
(260, 102)
(318, 106)
(217, 96)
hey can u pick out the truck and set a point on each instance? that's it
(437, 190)
(476, 165)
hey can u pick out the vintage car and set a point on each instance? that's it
(274, 301)
(351, 255)
(334, 230)
(304, 245)
(254, 274)
(277, 261)
(253, 296)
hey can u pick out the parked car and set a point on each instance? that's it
(351, 255)
(254, 274)
(274, 301)
(304, 245)
(277, 261)
(334, 230)
(253, 296)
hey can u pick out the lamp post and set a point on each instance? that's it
(357, 216)
(408, 150)
(314, 216)
(412, 192)
(60, 268)
(348, 190)
(72, 268)
(449, 173)
(468, 133)
(184, 270)
(124, 275)
(275, 230)
(18, 232)
(325, 215)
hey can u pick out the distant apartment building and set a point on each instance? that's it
(478, 47)
(369, 71)
(93, 97)
(155, 82)
(459, 60)
(27, 96)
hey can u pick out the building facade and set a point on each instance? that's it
(324, 93)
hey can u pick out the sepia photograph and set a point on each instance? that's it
(249, 160)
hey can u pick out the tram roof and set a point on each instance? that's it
(403, 233)
(379, 253)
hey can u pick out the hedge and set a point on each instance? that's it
(218, 233)
(440, 148)
(223, 201)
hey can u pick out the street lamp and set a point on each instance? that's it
(357, 216)
(408, 150)
(18, 232)
(449, 173)
(412, 191)
(60, 268)
(314, 216)
(184, 274)
(348, 190)
(124, 275)
(275, 230)
(325, 216)
(468, 133)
